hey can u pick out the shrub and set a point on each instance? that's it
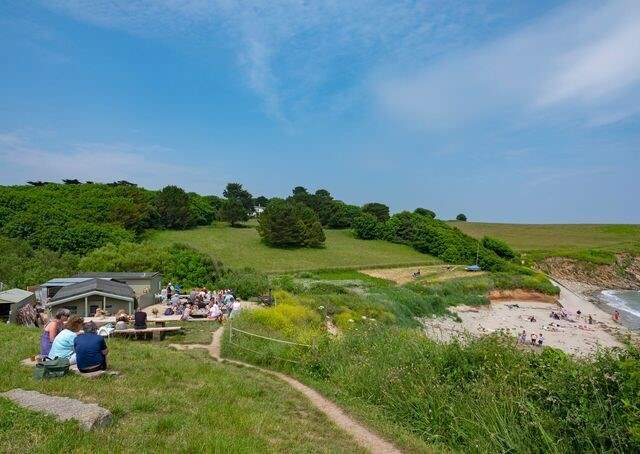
(290, 224)
(501, 248)
(245, 283)
(379, 210)
(177, 263)
(22, 266)
(366, 227)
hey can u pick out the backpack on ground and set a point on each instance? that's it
(51, 368)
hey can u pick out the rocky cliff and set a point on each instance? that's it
(623, 274)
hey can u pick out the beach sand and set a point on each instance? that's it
(574, 336)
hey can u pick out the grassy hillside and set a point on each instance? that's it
(165, 401)
(593, 242)
(241, 247)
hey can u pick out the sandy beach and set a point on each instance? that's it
(573, 335)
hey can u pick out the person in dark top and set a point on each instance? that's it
(91, 350)
(140, 319)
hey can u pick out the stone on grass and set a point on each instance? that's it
(89, 416)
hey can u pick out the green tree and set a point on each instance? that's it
(343, 215)
(261, 201)
(366, 226)
(286, 223)
(425, 212)
(461, 217)
(235, 191)
(174, 208)
(379, 210)
(233, 212)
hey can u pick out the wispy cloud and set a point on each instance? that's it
(293, 52)
(576, 62)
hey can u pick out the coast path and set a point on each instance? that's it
(361, 435)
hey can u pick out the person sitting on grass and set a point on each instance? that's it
(140, 319)
(51, 331)
(63, 343)
(91, 350)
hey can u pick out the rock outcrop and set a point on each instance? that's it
(63, 408)
(624, 273)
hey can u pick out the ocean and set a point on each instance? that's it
(627, 302)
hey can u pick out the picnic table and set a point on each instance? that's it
(156, 333)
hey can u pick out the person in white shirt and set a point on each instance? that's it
(235, 309)
(215, 312)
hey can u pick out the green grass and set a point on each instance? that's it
(481, 395)
(595, 243)
(164, 401)
(241, 247)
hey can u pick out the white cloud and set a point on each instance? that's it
(293, 50)
(577, 60)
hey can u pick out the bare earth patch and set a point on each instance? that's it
(432, 273)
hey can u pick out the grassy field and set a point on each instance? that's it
(241, 247)
(593, 242)
(164, 401)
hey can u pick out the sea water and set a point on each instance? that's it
(627, 302)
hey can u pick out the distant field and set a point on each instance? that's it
(240, 247)
(587, 241)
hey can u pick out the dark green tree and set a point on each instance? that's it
(261, 201)
(379, 210)
(425, 212)
(286, 223)
(233, 212)
(366, 226)
(461, 217)
(174, 208)
(237, 192)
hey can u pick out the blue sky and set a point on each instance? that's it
(512, 111)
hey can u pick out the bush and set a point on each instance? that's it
(178, 263)
(501, 248)
(366, 227)
(379, 210)
(290, 224)
(245, 283)
(23, 266)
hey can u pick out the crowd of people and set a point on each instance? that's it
(215, 305)
(69, 336)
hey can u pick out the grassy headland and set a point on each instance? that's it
(595, 243)
(242, 247)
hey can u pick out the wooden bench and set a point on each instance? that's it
(156, 334)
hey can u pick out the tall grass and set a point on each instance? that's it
(483, 395)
